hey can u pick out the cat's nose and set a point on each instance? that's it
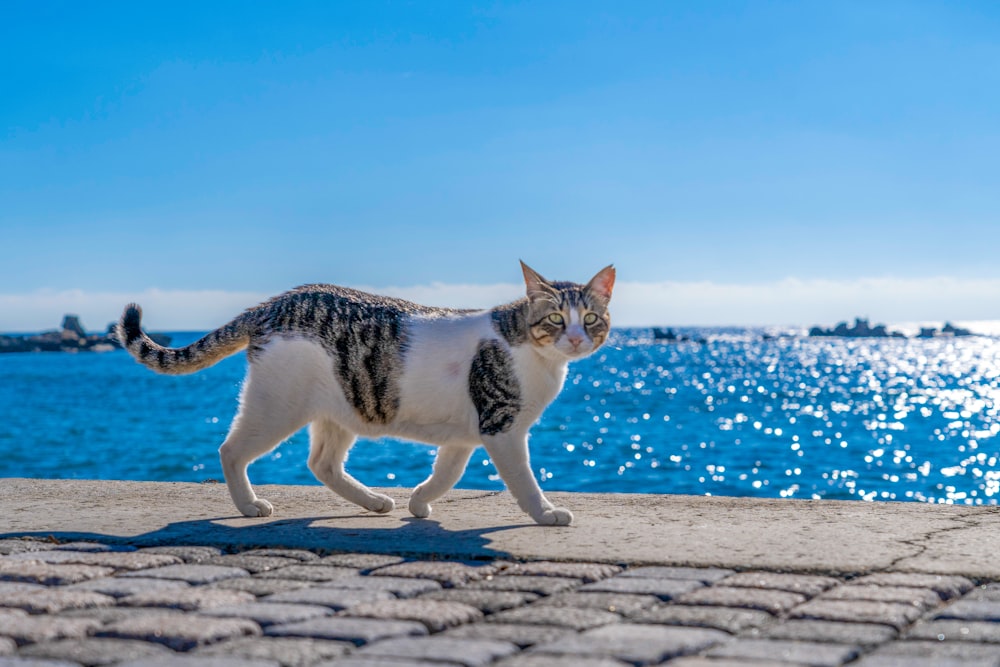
(574, 340)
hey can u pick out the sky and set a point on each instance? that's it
(782, 163)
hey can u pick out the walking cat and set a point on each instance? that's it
(354, 364)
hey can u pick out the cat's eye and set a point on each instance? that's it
(555, 318)
(590, 318)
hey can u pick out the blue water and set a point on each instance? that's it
(739, 416)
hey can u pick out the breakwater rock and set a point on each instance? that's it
(72, 337)
(862, 329)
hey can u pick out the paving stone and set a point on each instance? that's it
(6, 613)
(187, 599)
(56, 599)
(859, 634)
(355, 660)
(665, 589)
(112, 559)
(289, 651)
(804, 584)
(108, 615)
(623, 604)
(940, 650)
(637, 644)
(48, 574)
(956, 630)
(26, 629)
(924, 598)
(772, 601)
(95, 650)
(947, 586)
(193, 574)
(300, 555)
(586, 572)
(93, 547)
(119, 587)
(695, 661)
(180, 632)
(567, 617)
(188, 554)
(444, 572)
(727, 619)
(466, 652)
(8, 587)
(706, 575)
(251, 563)
(516, 633)
(14, 661)
(971, 610)
(362, 562)
(265, 614)
(488, 602)
(358, 631)
(539, 585)
(334, 598)
(16, 545)
(436, 615)
(530, 660)
(813, 654)
(260, 587)
(191, 660)
(401, 587)
(984, 592)
(919, 661)
(859, 611)
(309, 572)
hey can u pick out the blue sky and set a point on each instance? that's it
(739, 162)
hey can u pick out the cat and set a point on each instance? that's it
(350, 364)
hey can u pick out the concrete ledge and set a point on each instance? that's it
(831, 537)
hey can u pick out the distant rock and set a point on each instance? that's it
(72, 337)
(949, 330)
(668, 336)
(861, 329)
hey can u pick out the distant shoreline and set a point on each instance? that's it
(72, 337)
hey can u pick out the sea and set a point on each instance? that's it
(731, 412)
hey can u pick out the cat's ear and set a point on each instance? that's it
(602, 284)
(537, 286)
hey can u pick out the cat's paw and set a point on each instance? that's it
(419, 508)
(380, 504)
(557, 516)
(258, 507)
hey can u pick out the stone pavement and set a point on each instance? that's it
(96, 573)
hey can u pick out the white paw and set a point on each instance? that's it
(380, 504)
(419, 508)
(259, 507)
(557, 516)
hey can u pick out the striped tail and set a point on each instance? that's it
(203, 353)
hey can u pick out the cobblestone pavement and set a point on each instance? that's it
(96, 604)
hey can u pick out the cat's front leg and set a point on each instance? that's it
(448, 468)
(509, 453)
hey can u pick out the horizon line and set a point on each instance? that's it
(789, 302)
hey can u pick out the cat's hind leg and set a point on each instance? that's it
(509, 453)
(256, 430)
(328, 446)
(448, 468)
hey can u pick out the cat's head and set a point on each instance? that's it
(568, 320)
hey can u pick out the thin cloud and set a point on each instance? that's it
(787, 302)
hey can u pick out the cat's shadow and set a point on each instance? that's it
(409, 537)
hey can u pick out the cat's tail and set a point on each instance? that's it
(200, 354)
